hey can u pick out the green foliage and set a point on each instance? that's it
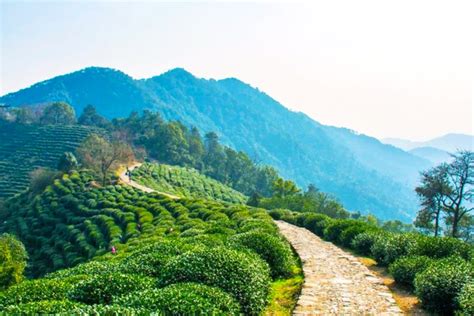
(42, 307)
(440, 247)
(101, 289)
(363, 242)
(185, 182)
(466, 300)
(405, 269)
(36, 290)
(90, 117)
(275, 251)
(25, 148)
(439, 285)
(333, 231)
(67, 162)
(390, 247)
(58, 113)
(244, 276)
(13, 258)
(183, 299)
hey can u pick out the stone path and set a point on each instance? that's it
(336, 283)
(125, 179)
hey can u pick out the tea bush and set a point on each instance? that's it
(275, 251)
(440, 247)
(333, 231)
(42, 307)
(183, 299)
(439, 285)
(246, 277)
(36, 290)
(100, 289)
(405, 269)
(391, 246)
(466, 300)
(363, 242)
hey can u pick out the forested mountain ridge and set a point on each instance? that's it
(363, 173)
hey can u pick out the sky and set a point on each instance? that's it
(384, 68)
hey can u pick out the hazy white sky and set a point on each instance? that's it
(384, 68)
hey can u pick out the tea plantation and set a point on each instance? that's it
(173, 257)
(24, 148)
(185, 182)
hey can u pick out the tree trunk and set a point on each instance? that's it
(437, 224)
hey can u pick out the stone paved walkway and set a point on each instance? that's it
(336, 283)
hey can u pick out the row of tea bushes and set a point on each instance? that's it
(440, 270)
(183, 257)
(24, 148)
(185, 182)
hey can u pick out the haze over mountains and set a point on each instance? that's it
(365, 174)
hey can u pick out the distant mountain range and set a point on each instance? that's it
(365, 174)
(448, 143)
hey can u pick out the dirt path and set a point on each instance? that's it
(336, 283)
(125, 179)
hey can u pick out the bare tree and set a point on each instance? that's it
(103, 156)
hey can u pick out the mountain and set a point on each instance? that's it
(449, 143)
(435, 155)
(363, 173)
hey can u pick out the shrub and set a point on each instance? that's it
(257, 224)
(87, 269)
(35, 290)
(243, 275)
(390, 247)
(440, 247)
(348, 234)
(466, 300)
(313, 220)
(108, 310)
(183, 299)
(100, 289)
(319, 226)
(42, 307)
(276, 252)
(149, 260)
(439, 285)
(405, 269)
(363, 242)
(13, 258)
(334, 229)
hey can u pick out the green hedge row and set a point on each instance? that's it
(439, 269)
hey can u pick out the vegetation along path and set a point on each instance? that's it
(125, 179)
(336, 283)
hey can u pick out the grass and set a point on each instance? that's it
(284, 294)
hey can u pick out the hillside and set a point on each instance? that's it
(183, 257)
(26, 147)
(435, 155)
(362, 172)
(184, 182)
(449, 143)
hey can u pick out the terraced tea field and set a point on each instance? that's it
(24, 148)
(184, 182)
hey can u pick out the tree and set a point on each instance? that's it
(40, 178)
(433, 192)
(58, 113)
(102, 156)
(90, 117)
(282, 188)
(67, 162)
(13, 257)
(460, 174)
(451, 186)
(254, 199)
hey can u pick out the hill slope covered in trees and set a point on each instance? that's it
(363, 173)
